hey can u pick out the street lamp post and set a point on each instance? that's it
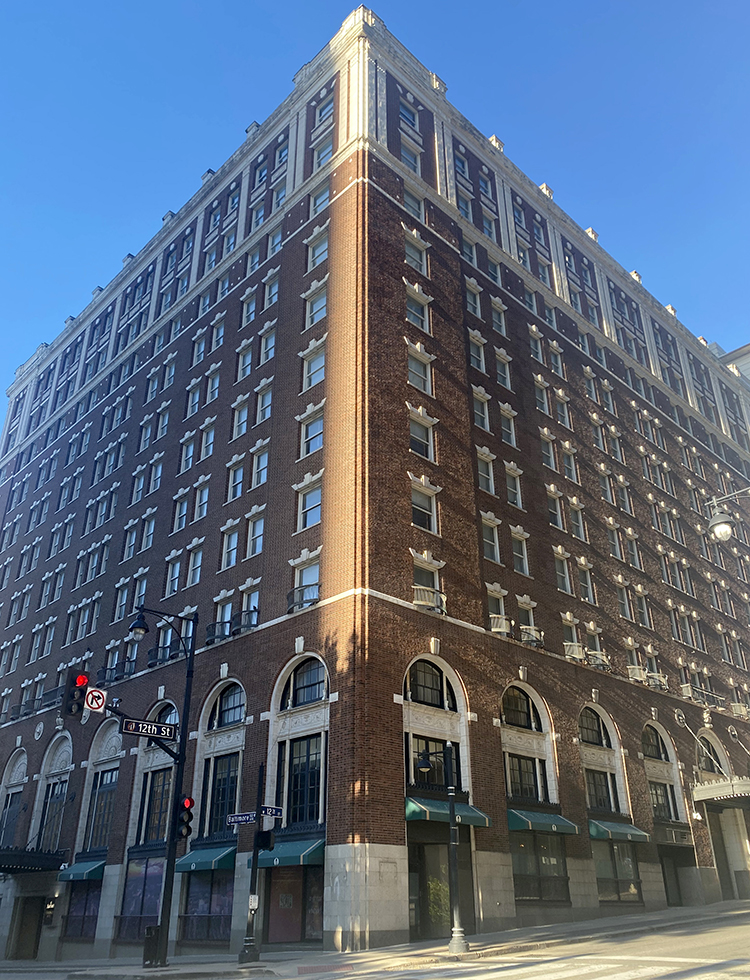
(457, 942)
(140, 627)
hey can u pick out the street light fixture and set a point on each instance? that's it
(139, 627)
(721, 524)
(457, 942)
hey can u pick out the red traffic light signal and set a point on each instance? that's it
(74, 696)
(185, 817)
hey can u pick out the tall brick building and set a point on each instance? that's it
(429, 465)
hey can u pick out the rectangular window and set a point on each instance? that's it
(173, 577)
(312, 435)
(255, 537)
(323, 153)
(416, 313)
(180, 514)
(314, 369)
(419, 374)
(229, 549)
(239, 423)
(562, 574)
(539, 867)
(486, 476)
(194, 566)
(260, 468)
(201, 503)
(409, 157)
(520, 556)
(490, 543)
(318, 251)
(481, 417)
(320, 200)
(264, 405)
(305, 779)
(309, 508)
(415, 256)
(236, 476)
(317, 307)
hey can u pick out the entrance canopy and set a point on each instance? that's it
(83, 871)
(418, 808)
(548, 823)
(207, 859)
(18, 860)
(733, 792)
(609, 830)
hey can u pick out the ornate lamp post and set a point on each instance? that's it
(457, 942)
(140, 628)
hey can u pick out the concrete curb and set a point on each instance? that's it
(374, 961)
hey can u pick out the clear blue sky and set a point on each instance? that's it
(636, 113)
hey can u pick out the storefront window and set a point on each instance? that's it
(616, 871)
(83, 910)
(539, 869)
(140, 901)
(208, 909)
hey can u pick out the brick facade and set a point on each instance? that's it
(560, 427)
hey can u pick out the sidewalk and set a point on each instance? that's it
(290, 964)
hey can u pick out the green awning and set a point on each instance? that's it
(83, 871)
(548, 823)
(292, 852)
(207, 859)
(418, 808)
(607, 830)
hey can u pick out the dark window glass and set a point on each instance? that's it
(160, 786)
(653, 745)
(101, 809)
(616, 871)
(223, 792)
(592, 729)
(425, 685)
(52, 814)
(539, 867)
(229, 708)
(520, 711)
(306, 685)
(601, 790)
(305, 772)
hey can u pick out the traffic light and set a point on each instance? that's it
(76, 685)
(185, 817)
(266, 840)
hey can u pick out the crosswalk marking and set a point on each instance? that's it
(584, 967)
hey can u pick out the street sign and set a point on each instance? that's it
(234, 818)
(136, 726)
(272, 811)
(96, 699)
(253, 903)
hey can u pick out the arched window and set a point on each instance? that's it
(229, 708)
(167, 715)
(708, 757)
(306, 685)
(427, 684)
(592, 729)
(653, 745)
(520, 711)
